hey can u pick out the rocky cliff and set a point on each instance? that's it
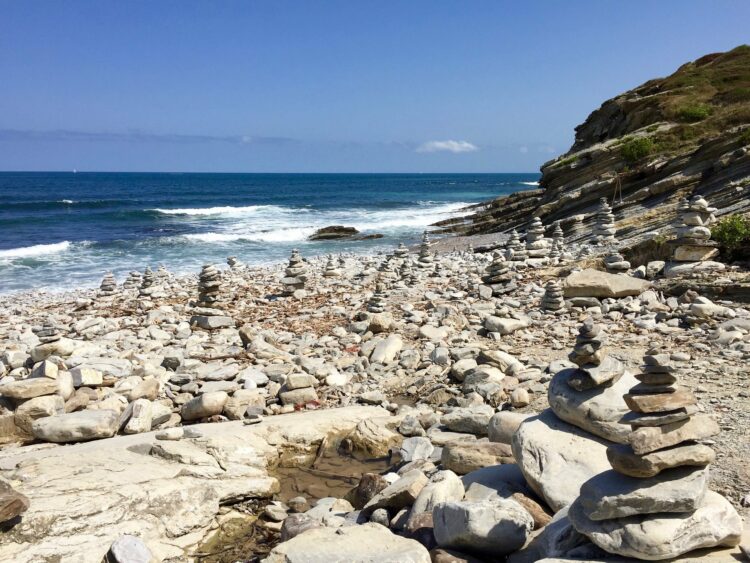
(643, 150)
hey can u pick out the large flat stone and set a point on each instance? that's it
(660, 402)
(29, 388)
(368, 543)
(660, 536)
(556, 458)
(625, 461)
(76, 426)
(651, 438)
(598, 410)
(612, 495)
(593, 283)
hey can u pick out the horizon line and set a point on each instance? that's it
(205, 172)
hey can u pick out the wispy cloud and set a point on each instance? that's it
(455, 147)
(137, 137)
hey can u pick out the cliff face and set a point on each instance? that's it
(643, 150)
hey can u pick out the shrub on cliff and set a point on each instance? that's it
(733, 235)
(693, 113)
(636, 149)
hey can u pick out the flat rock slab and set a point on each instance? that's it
(625, 461)
(651, 438)
(83, 497)
(599, 410)
(593, 283)
(556, 458)
(29, 388)
(76, 426)
(656, 537)
(612, 495)
(368, 543)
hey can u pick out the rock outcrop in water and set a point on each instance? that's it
(644, 150)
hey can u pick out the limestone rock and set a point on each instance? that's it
(204, 405)
(594, 283)
(625, 461)
(76, 426)
(556, 458)
(650, 537)
(465, 457)
(598, 410)
(493, 527)
(368, 543)
(611, 495)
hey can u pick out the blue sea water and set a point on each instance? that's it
(64, 230)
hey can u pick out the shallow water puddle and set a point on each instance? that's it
(245, 539)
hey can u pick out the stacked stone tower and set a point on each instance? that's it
(425, 258)
(536, 245)
(295, 275)
(108, 287)
(377, 302)
(207, 313)
(604, 226)
(499, 276)
(693, 249)
(553, 300)
(655, 503)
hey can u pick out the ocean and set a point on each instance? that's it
(64, 230)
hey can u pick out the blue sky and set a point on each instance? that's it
(329, 86)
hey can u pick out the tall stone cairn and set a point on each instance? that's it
(108, 287)
(516, 251)
(536, 245)
(207, 312)
(295, 275)
(553, 300)
(330, 270)
(377, 302)
(401, 251)
(147, 283)
(604, 226)
(655, 503)
(499, 277)
(133, 281)
(693, 242)
(424, 260)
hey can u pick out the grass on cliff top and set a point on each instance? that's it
(705, 98)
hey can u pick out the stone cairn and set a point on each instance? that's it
(401, 251)
(499, 276)
(693, 242)
(516, 251)
(655, 503)
(558, 243)
(235, 263)
(604, 226)
(108, 286)
(207, 313)
(47, 332)
(147, 288)
(595, 367)
(377, 302)
(438, 272)
(425, 258)
(553, 300)
(162, 274)
(133, 281)
(330, 270)
(615, 263)
(295, 275)
(536, 245)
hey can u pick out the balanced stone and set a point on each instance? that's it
(616, 263)
(401, 251)
(693, 250)
(647, 439)
(207, 314)
(588, 348)
(147, 283)
(48, 332)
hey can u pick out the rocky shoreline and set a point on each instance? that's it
(495, 383)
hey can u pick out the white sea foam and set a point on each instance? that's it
(36, 250)
(529, 183)
(226, 210)
(67, 201)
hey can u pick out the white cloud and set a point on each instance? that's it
(455, 147)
